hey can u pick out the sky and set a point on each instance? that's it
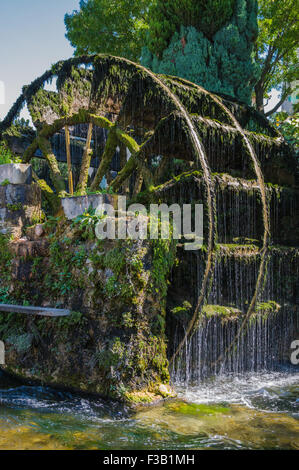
(32, 38)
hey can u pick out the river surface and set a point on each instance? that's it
(253, 411)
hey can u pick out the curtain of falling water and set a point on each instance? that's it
(263, 347)
(269, 335)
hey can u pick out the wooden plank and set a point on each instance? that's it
(40, 311)
(69, 159)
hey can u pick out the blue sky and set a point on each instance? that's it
(32, 38)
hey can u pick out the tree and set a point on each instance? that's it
(276, 49)
(167, 16)
(208, 42)
(114, 27)
(211, 42)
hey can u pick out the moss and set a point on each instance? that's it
(265, 309)
(86, 159)
(139, 397)
(6, 182)
(193, 409)
(60, 278)
(20, 342)
(236, 249)
(58, 181)
(106, 159)
(164, 256)
(222, 312)
(6, 258)
(44, 101)
(15, 207)
(183, 312)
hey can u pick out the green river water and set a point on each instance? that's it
(253, 411)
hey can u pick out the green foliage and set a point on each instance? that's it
(87, 222)
(14, 207)
(289, 127)
(63, 260)
(20, 342)
(6, 156)
(5, 258)
(21, 127)
(4, 295)
(41, 101)
(167, 16)
(38, 217)
(75, 319)
(182, 309)
(163, 260)
(223, 64)
(276, 50)
(114, 27)
(126, 268)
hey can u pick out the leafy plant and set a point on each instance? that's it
(6, 156)
(87, 222)
(114, 27)
(276, 50)
(289, 127)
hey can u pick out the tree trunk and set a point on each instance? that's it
(259, 97)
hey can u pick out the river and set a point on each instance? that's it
(252, 411)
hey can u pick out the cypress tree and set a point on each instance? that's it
(209, 42)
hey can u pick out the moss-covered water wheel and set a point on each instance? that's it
(158, 119)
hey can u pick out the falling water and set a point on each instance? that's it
(261, 348)
(265, 344)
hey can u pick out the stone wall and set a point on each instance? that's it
(113, 344)
(20, 199)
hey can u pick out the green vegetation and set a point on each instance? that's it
(213, 43)
(86, 223)
(289, 127)
(200, 410)
(267, 308)
(114, 27)
(221, 61)
(167, 16)
(14, 207)
(276, 50)
(223, 312)
(6, 156)
(5, 260)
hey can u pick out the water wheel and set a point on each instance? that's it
(156, 121)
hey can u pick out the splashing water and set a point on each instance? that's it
(254, 411)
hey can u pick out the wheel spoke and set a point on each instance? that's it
(57, 178)
(69, 159)
(107, 156)
(83, 179)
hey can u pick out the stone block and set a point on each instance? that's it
(16, 173)
(20, 205)
(77, 205)
(35, 232)
(27, 249)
